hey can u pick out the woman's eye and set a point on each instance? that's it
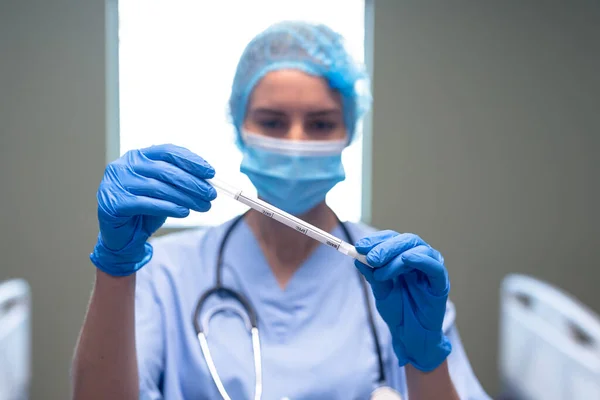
(272, 124)
(322, 126)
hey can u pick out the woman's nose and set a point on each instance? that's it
(297, 132)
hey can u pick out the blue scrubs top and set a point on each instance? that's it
(315, 338)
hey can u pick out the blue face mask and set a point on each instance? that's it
(293, 175)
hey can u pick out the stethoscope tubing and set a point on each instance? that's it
(252, 318)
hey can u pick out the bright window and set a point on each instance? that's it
(177, 59)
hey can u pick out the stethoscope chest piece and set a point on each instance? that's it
(385, 393)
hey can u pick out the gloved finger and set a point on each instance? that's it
(398, 266)
(391, 270)
(149, 187)
(140, 205)
(437, 255)
(174, 176)
(381, 290)
(182, 158)
(364, 245)
(424, 261)
(387, 250)
(391, 308)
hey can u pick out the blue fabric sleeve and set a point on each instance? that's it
(466, 383)
(149, 335)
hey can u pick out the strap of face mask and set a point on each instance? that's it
(310, 148)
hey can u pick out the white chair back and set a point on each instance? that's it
(15, 339)
(549, 343)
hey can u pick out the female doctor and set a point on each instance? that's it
(154, 328)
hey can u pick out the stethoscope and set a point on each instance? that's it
(249, 317)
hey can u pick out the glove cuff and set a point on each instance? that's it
(436, 357)
(434, 354)
(123, 262)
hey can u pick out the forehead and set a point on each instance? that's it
(293, 90)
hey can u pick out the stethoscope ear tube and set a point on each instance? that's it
(211, 366)
(250, 320)
(222, 292)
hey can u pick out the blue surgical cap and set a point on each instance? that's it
(312, 48)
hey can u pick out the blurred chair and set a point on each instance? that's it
(15, 339)
(549, 343)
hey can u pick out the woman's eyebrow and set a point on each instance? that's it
(268, 111)
(325, 112)
(261, 111)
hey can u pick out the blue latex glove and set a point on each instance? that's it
(410, 285)
(137, 194)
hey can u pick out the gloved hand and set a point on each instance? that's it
(410, 285)
(137, 194)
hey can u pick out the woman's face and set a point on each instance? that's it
(290, 104)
